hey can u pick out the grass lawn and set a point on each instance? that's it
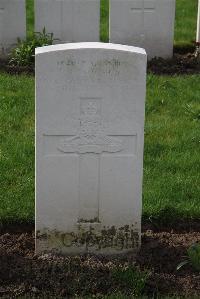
(30, 16)
(16, 148)
(186, 22)
(172, 139)
(171, 163)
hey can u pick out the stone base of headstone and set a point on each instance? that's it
(90, 238)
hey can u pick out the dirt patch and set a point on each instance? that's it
(49, 276)
(178, 226)
(181, 63)
(163, 251)
(16, 70)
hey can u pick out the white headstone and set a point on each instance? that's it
(144, 23)
(90, 101)
(198, 24)
(12, 23)
(69, 20)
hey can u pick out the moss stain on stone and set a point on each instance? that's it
(91, 237)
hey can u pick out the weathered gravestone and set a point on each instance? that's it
(69, 20)
(12, 23)
(144, 23)
(89, 154)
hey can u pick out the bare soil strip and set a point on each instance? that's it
(49, 276)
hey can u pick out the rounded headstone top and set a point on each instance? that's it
(89, 45)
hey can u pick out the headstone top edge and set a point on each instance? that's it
(89, 45)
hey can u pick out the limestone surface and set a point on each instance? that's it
(90, 103)
(144, 23)
(12, 23)
(69, 20)
(198, 23)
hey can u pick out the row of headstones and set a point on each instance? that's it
(142, 23)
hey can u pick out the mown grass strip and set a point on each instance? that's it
(171, 159)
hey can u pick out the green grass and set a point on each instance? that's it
(185, 25)
(186, 22)
(30, 16)
(16, 148)
(172, 142)
(104, 30)
(171, 160)
(131, 279)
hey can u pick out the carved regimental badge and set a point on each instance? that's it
(91, 137)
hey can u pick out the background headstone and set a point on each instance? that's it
(69, 20)
(12, 23)
(90, 102)
(144, 23)
(198, 23)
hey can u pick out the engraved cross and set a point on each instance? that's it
(143, 7)
(89, 143)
